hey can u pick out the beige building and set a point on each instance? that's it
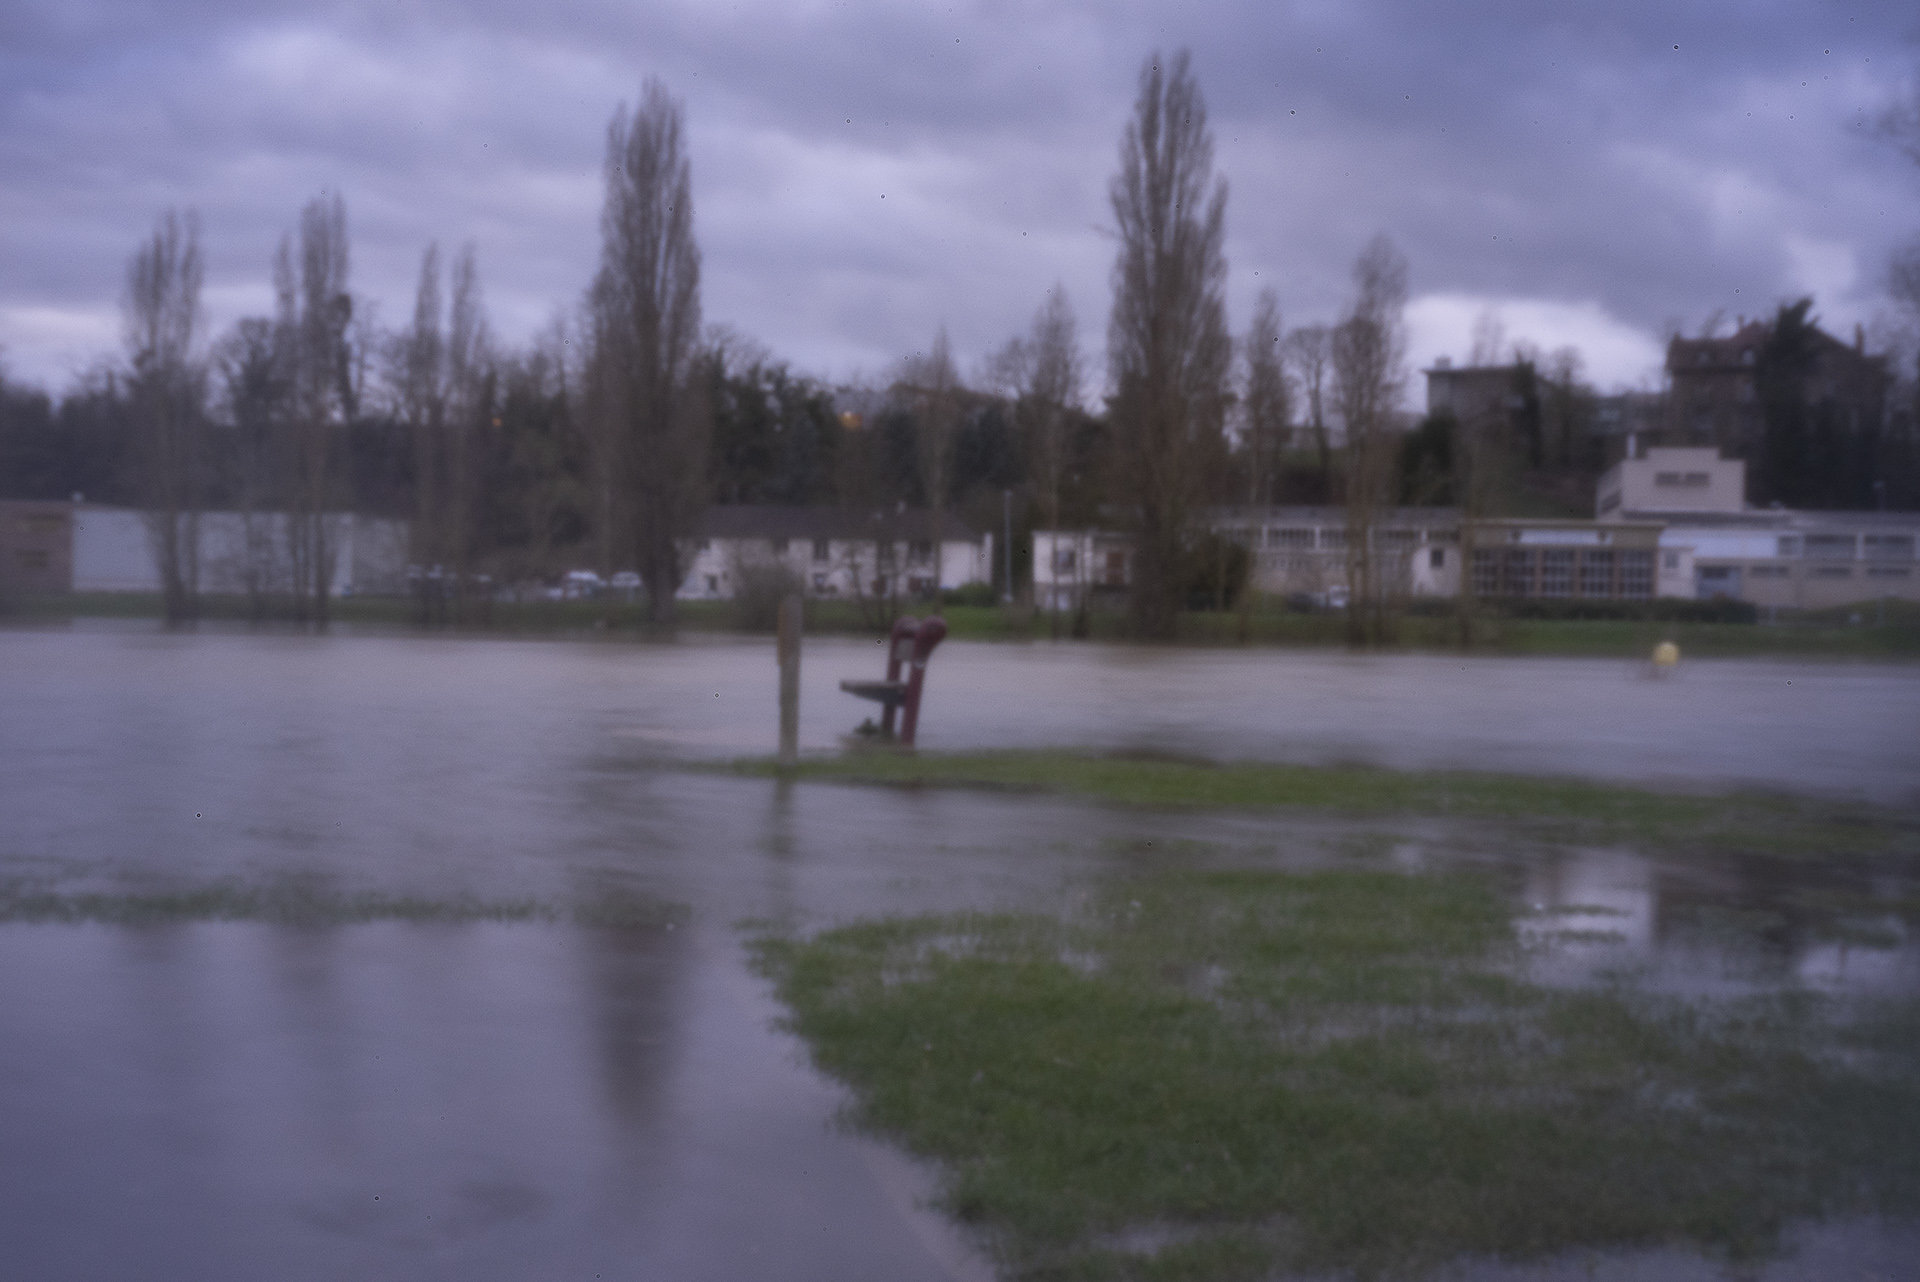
(1713, 545)
(1672, 481)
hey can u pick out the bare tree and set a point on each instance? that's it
(254, 366)
(315, 312)
(1309, 352)
(1369, 359)
(650, 421)
(1042, 373)
(1167, 342)
(930, 384)
(470, 394)
(168, 392)
(419, 376)
(1267, 400)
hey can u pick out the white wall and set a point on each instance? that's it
(113, 552)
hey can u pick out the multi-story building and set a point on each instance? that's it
(1714, 396)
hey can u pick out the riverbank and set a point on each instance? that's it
(1872, 631)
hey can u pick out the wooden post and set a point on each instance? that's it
(789, 649)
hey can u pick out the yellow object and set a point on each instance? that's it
(1666, 654)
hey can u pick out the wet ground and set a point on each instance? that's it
(480, 1099)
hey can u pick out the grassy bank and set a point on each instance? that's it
(1832, 634)
(1206, 1074)
(1556, 809)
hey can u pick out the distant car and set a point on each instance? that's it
(581, 584)
(625, 580)
(1326, 601)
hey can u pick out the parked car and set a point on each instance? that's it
(1326, 601)
(625, 583)
(580, 585)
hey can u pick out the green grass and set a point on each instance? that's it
(1560, 809)
(1831, 634)
(300, 904)
(1223, 1074)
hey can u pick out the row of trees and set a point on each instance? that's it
(606, 437)
(612, 432)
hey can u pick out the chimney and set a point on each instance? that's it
(1859, 338)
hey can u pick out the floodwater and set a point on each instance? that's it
(480, 1100)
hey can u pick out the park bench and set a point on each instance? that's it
(908, 646)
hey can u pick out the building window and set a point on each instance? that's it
(1596, 573)
(1333, 539)
(1516, 572)
(1395, 538)
(1889, 547)
(779, 546)
(1290, 538)
(32, 558)
(1063, 560)
(1670, 560)
(1486, 572)
(1636, 574)
(1887, 572)
(1767, 571)
(1832, 571)
(820, 583)
(822, 549)
(1789, 545)
(919, 552)
(713, 584)
(1832, 547)
(1556, 572)
(1437, 559)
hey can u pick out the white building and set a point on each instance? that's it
(1294, 550)
(113, 551)
(834, 552)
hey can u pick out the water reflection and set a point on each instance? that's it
(229, 1100)
(1715, 929)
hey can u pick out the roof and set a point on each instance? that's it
(774, 521)
(1787, 519)
(1303, 515)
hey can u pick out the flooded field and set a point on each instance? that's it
(482, 1093)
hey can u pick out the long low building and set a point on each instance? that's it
(835, 552)
(89, 547)
(1670, 523)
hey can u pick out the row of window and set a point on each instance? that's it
(1563, 572)
(919, 551)
(1304, 538)
(1846, 547)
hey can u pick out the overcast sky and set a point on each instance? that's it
(866, 171)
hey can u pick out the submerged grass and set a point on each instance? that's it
(1220, 1074)
(299, 904)
(1563, 809)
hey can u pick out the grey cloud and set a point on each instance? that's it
(1567, 157)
